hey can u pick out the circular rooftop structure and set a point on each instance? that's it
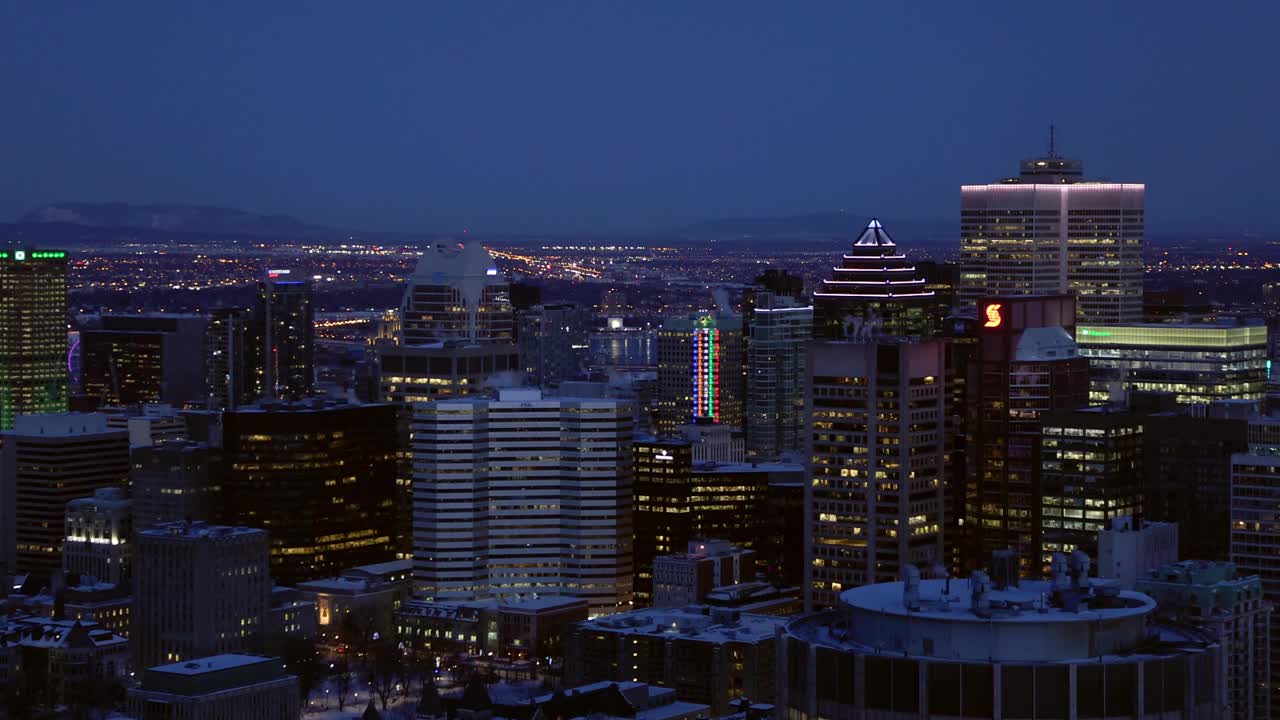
(1016, 624)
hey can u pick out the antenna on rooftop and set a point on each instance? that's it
(1053, 151)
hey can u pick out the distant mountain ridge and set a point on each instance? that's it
(177, 218)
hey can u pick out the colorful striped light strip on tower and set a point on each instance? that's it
(706, 375)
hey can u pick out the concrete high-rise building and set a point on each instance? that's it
(322, 477)
(1231, 608)
(456, 292)
(1050, 231)
(523, 495)
(174, 481)
(1025, 364)
(199, 590)
(875, 291)
(47, 461)
(1255, 532)
(1090, 472)
(284, 337)
(1198, 363)
(554, 341)
(230, 354)
(780, 329)
(99, 538)
(135, 359)
(877, 453)
(33, 333)
(700, 371)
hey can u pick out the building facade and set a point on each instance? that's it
(700, 371)
(877, 449)
(1090, 474)
(1025, 364)
(230, 354)
(284, 337)
(199, 590)
(176, 480)
(522, 495)
(1049, 231)
(554, 341)
(324, 478)
(47, 461)
(136, 359)
(33, 333)
(1197, 363)
(1232, 610)
(1255, 532)
(780, 328)
(99, 540)
(686, 578)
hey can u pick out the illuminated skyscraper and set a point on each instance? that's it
(285, 337)
(33, 333)
(523, 495)
(875, 499)
(456, 292)
(1050, 231)
(700, 371)
(1026, 363)
(229, 355)
(780, 329)
(874, 291)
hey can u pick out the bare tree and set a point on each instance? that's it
(384, 670)
(342, 682)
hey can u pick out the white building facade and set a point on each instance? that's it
(521, 495)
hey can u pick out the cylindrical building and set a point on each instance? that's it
(960, 649)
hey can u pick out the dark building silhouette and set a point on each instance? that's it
(323, 478)
(284, 337)
(230, 357)
(134, 359)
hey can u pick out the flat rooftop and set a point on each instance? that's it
(695, 622)
(213, 663)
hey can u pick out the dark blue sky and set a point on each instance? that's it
(631, 116)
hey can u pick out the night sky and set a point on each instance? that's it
(612, 116)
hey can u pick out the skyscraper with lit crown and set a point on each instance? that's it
(1051, 231)
(33, 333)
(874, 291)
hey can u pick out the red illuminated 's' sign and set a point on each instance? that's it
(994, 318)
